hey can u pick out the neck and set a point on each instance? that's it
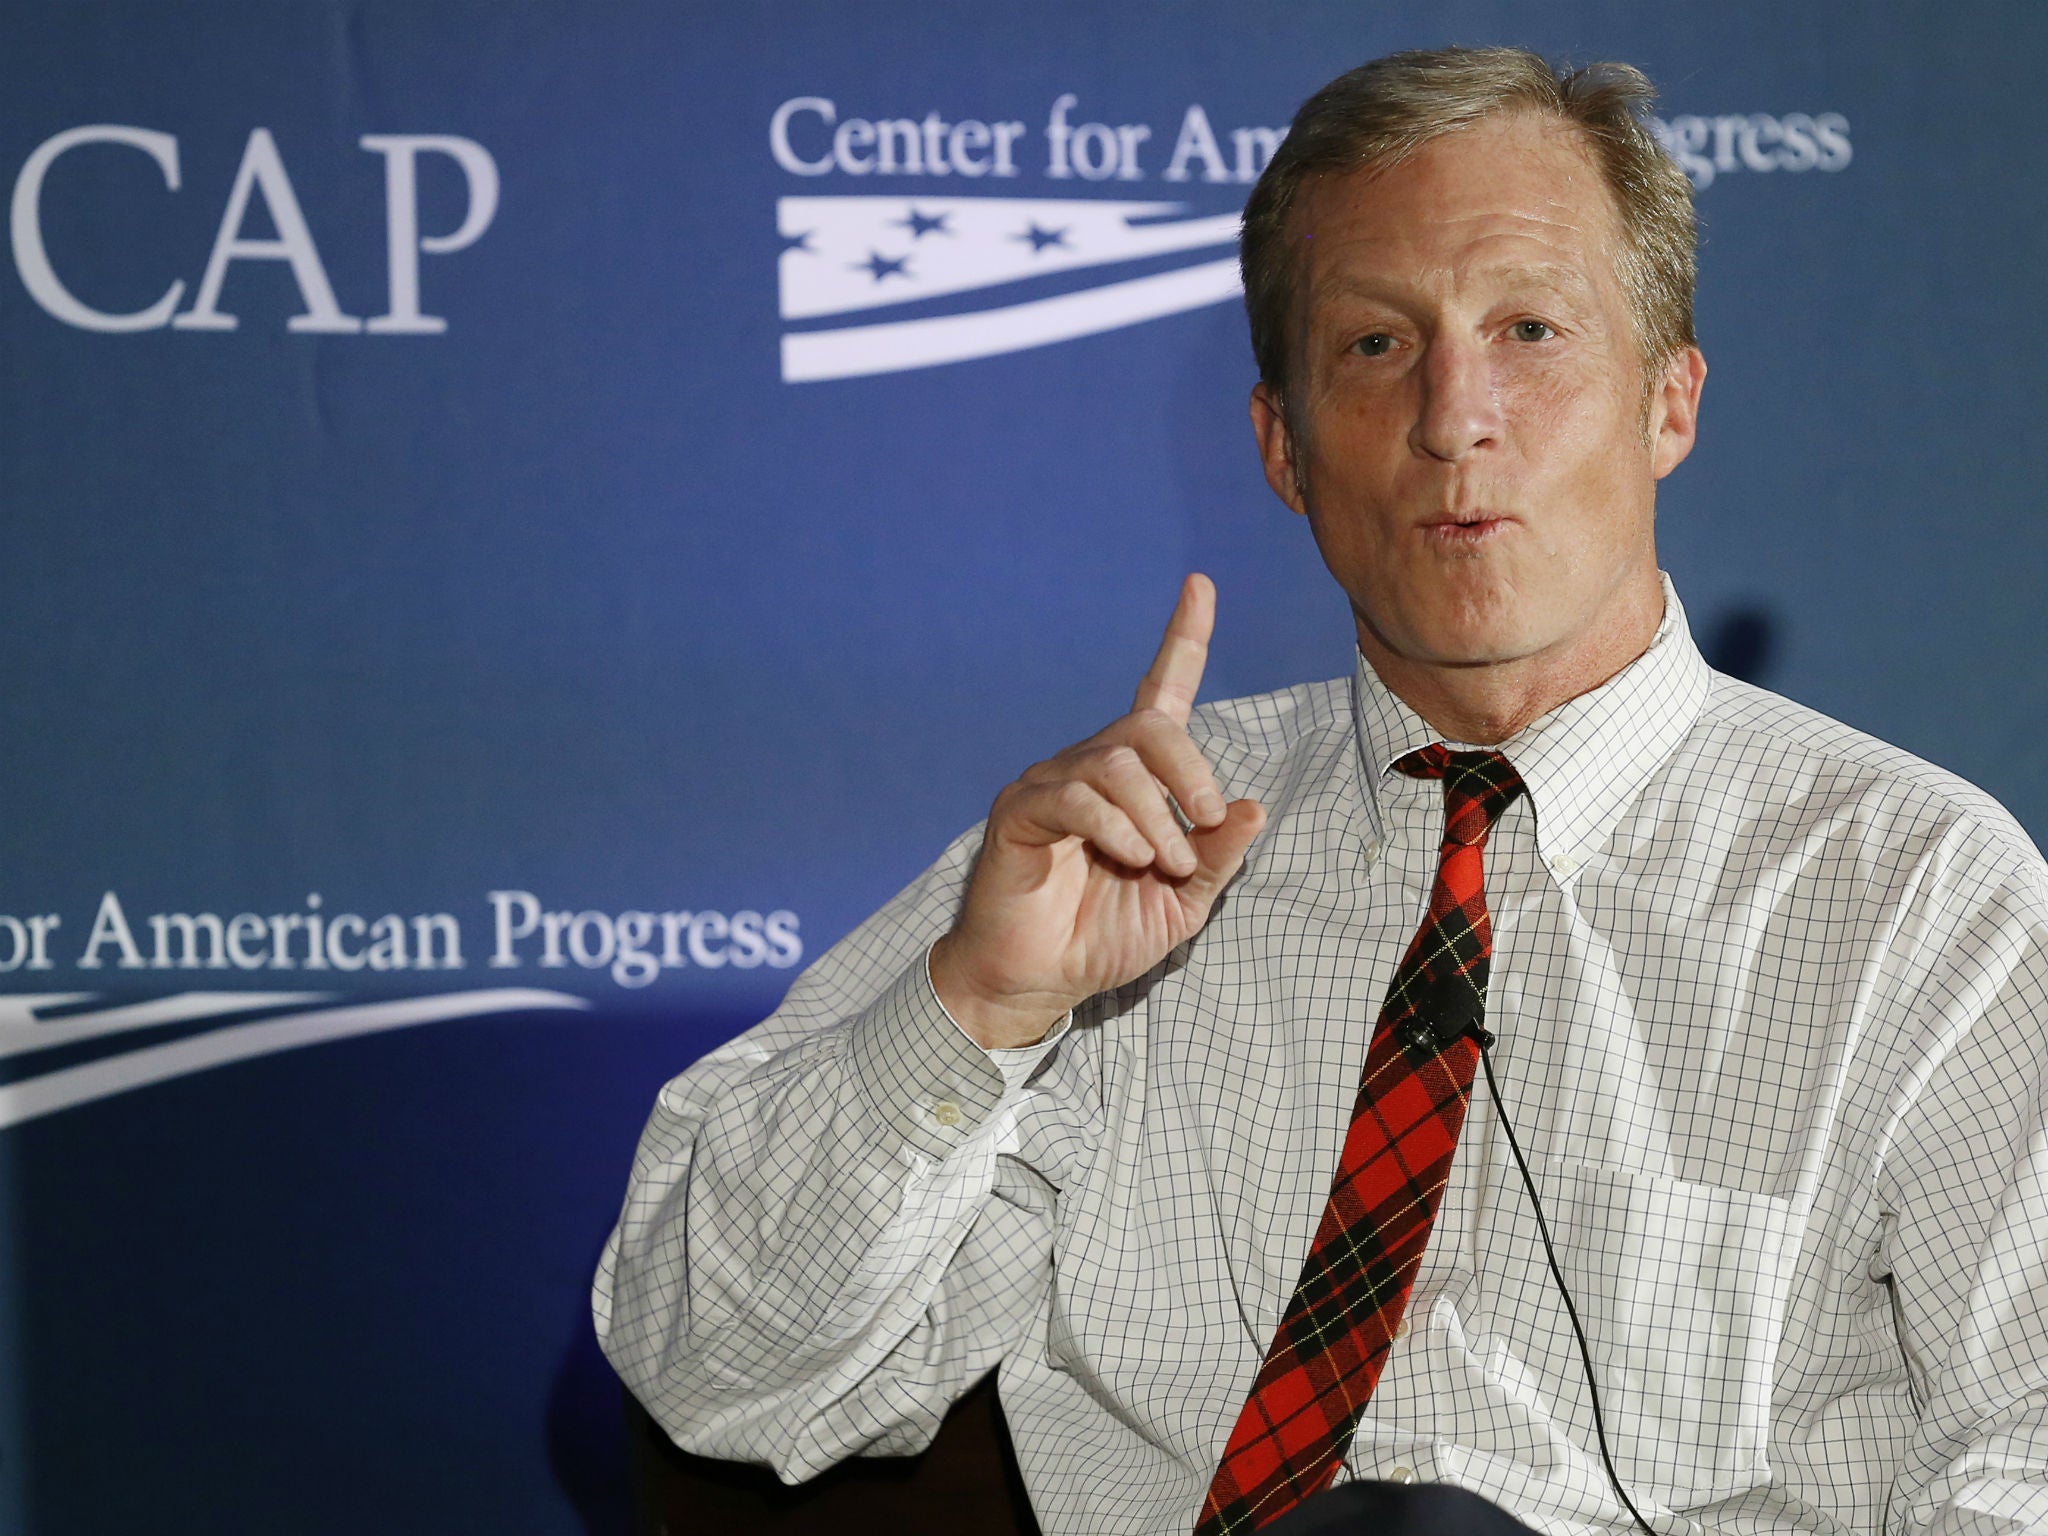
(1484, 703)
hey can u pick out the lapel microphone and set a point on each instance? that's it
(1441, 1018)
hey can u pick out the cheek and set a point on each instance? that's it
(1590, 438)
(1552, 403)
(1358, 440)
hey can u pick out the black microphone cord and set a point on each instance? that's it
(1557, 1274)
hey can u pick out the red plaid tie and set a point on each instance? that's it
(1334, 1338)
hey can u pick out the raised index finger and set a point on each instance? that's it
(1176, 674)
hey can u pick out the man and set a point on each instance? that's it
(1110, 1097)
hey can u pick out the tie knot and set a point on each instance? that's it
(1478, 786)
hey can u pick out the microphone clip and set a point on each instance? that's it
(1431, 1035)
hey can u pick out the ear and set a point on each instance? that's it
(1276, 447)
(1675, 411)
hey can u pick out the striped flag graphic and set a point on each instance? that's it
(844, 258)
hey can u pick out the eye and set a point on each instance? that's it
(1378, 344)
(1530, 330)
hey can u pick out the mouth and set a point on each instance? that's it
(1463, 530)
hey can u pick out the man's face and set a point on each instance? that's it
(1467, 430)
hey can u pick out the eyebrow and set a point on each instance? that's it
(1544, 274)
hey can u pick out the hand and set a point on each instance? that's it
(1085, 878)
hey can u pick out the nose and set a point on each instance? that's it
(1458, 411)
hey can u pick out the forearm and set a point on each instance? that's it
(813, 1260)
(1966, 1183)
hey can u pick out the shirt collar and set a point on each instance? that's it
(1583, 763)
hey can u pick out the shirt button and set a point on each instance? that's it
(946, 1112)
(1563, 866)
(1401, 1475)
(1372, 850)
(1401, 1332)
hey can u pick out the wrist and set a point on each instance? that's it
(994, 1020)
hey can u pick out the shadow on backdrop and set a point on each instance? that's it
(1742, 641)
(585, 1426)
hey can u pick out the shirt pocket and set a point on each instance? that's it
(1681, 1288)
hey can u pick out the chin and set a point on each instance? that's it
(1473, 631)
(1468, 649)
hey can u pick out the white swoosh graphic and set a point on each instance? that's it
(858, 350)
(20, 1009)
(38, 1096)
(22, 1034)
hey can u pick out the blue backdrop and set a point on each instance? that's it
(524, 522)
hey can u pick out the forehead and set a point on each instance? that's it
(1516, 195)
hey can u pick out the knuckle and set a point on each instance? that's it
(1109, 735)
(1094, 761)
(1073, 797)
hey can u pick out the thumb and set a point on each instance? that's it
(1220, 850)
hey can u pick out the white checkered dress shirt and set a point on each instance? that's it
(1770, 1004)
